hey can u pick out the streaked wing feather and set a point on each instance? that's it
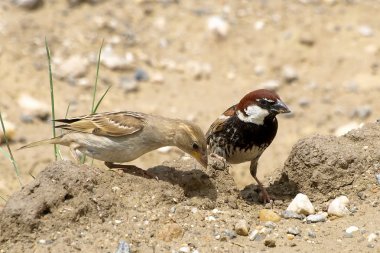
(106, 124)
(219, 122)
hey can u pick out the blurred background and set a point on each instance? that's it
(186, 59)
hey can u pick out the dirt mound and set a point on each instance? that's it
(69, 203)
(324, 167)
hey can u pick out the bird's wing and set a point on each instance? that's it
(220, 121)
(106, 124)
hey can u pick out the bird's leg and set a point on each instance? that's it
(253, 170)
(129, 169)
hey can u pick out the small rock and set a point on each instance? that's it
(294, 231)
(173, 209)
(218, 26)
(28, 4)
(372, 237)
(289, 74)
(290, 237)
(259, 25)
(257, 235)
(362, 112)
(365, 30)
(352, 229)
(348, 235)
(157, 78)
(210, 218)
(33, 107)
(378, 178)
(270, 243)
(123, 247)
(269, 215)
(307, 40)
(292, 215)
(304, 102)
(198, 70)
(313, 218)
(128, 84)
(371, 245)
(10, 131)
(270, 224)
(115, 189)
(169, 232)
(165, 149)
(270, 85)
(185, 249)
(74, 67)
(114, 61)
(241, 228)
(141, 75)
(311, 234)
(259, 70)
(342, 130)
(228, 234)
(301, 205)
(338, 207)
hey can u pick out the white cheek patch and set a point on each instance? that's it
(255, 114)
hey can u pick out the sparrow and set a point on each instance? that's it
(246, 129)
(118, 137)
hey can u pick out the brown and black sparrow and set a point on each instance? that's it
(118, 137)
(246, 129)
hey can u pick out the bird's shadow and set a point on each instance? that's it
(194, 182)
(281, 189)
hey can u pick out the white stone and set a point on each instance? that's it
(342, 130)
(241, 227)
(73, 67)
(289, 74)
(372, 237)
(33, 107)
(351, 229)
(259, 25)
(338, 207)
(27, 4)
(218, 26)
(210, 218)
(165, 150)
(116, 62)
(365, 30)
(184, 249)
(301, 205)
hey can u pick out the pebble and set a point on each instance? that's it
(198, 70)
(289, 74)
(294, 231)
(218, 26)
(259, 25)
(342, 130)
(365, 30)
(116, 62)
(128, 84)
(123, 247)
(372, 237)
(33, 108)
(268, 215)
(301, 205)
(10, 130)
(259, 70)
(292, 215)
(307, 40)
(210, 218)
(270, 85)
(362, 112)
(351, 229)
(338, 207)
(228, 234)
(304, 102)
(378, 178)
(170, 231)
(270, 224)
(311, 234)
(348, 235)
(270, 243)
(73, 67)
(141, 75)
(241, 228)
(257, 235)
(185, 249)
(27, 4)
(314, 218)
(290, 236)
(157, 78)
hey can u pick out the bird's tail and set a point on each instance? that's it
(43, 142)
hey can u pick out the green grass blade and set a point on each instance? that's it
(101, 99)
(12, 159)
(93, 110)
(56, 152)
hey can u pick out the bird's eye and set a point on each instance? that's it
(265, 102)
(195, 146)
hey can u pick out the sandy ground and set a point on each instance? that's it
(331, 45)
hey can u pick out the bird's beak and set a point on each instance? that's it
(201, 158)
(279, 107)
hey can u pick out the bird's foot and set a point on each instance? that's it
(264, 196)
